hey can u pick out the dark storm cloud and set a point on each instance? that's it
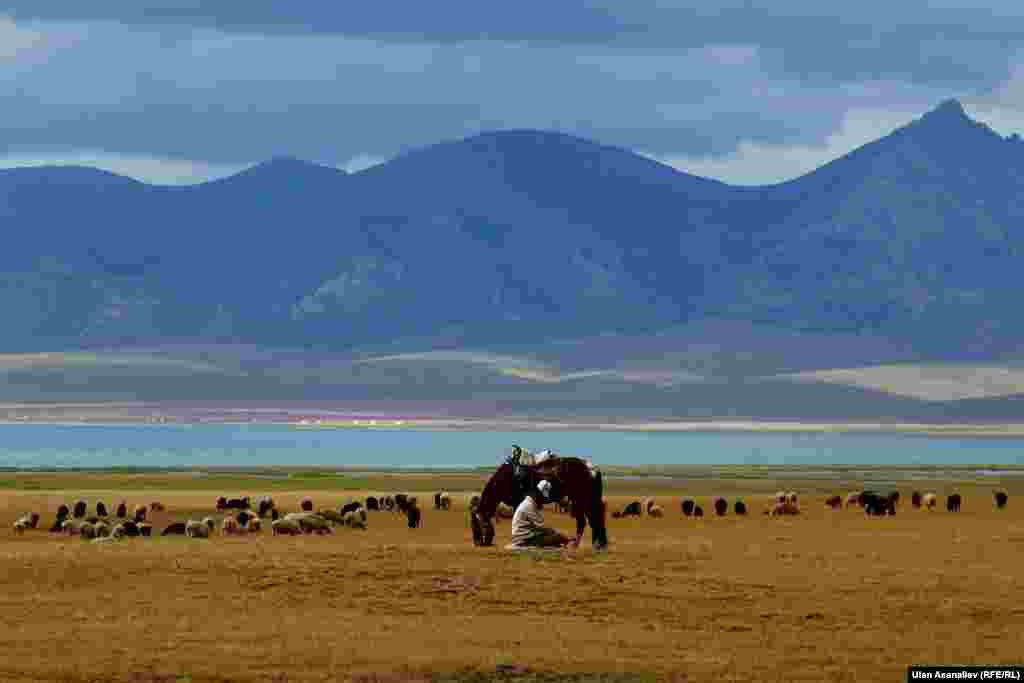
(237, 82)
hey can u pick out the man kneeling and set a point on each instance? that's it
(528, 530)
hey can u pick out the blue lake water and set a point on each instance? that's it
(61, 446)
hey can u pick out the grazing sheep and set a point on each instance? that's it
(372, 504)
(210, 523)
(194, 529)
(834, 502)
(177, 528)
(307, 505)
(102, 529)
(265, 506)
(334, 516)
(140, 513)
(146, 530)
(309, 522)
(688, 506)
(20, 526)
(721, 506)
(953, 503)
(414, 516)
(229, 526)
(243, 518)
(915, 499)
(157, 506)
(401, 502)
(780, 496)
(1001, 498)
(352, 505)
(101, 509)
(929, 501)
(740, 507)
(634, 509)
(698, 511)
(222, 503)
(254, 525)
(877, 504)
(853, 498)
(122, 510)
(80, 508)
(656, 511)
(286, 527)
(388, 503)
(87, 531)
(355, 519)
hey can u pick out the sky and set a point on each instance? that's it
(746, 91)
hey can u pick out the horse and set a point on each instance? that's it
(570, 477)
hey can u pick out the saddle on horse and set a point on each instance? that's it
(529, 468)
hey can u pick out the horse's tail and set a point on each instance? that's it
(599, 530)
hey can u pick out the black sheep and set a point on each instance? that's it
(402, 502)
(721, 507)
(307, 505)
(101, 509)
(953, 503)
(80, 508)
(915, 499)
(243, 518)
(176, 528)
(1001, 499)
(688, 506)
(274, 514)
(350, 507)
(372, 504)
(698, 511)
(740, 507)
(413, 514)
(130, 528)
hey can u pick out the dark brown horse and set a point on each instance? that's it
(571, 478)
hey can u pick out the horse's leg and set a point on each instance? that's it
(478, 528)
(596, 515)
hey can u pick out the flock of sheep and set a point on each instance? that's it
(785, 503)
(100, 528)
(238, 518)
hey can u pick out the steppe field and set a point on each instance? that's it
(823, 596)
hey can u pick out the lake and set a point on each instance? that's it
(189, 445)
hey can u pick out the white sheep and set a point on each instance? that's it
(929, 501)
(20, 526)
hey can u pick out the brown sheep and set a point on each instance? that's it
(721, 506)
(853, 498)
(834, 502)
(656, 511)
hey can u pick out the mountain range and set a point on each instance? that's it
(909, 246)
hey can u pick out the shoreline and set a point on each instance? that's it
(997, 430)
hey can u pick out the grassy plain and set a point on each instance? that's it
(826, 596)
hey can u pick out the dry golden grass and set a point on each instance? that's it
(826, 596)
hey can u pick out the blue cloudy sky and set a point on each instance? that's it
(746, 91)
